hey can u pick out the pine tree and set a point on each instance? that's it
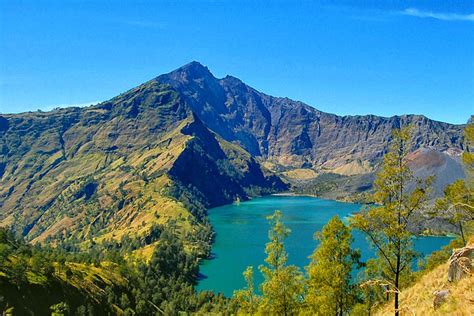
(457, 206)
(386, 224)
(124, 301)
(283, 286)
(245, 299)
(60, 309)
(330, 291)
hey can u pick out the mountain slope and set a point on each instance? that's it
(117, 168)
(291, 133)
(447, 167)
(418, 299)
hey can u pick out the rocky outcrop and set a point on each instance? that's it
(439, 298)
(461, 264)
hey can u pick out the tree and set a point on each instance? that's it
(60, 309)
(166, 283)
(170, 259)
(283, 286)
(17, 272)
(457, 205)
(81, 311)
(330, 291)
(372, 291)
(111, 297)
(398, 197)
(246, 299)
(468, 155)
(124, 301)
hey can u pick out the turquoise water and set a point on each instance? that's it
(242, 232)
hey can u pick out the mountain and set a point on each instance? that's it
(291, 133)
(303, 144)
(175, 146)
(116, 168)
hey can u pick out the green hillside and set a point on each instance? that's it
(116, 169)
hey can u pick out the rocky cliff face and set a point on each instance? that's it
(291, 133)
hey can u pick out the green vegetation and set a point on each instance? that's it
(283, 284)
(457, 204)
(40, 280)
(117, 168)
(102, 190)
(329, 286)
(352, 188)
(246, 300)
(386, 225)
(441, 256)
(104, 282)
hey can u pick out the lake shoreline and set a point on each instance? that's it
(241, 231)
(289, 193)
(312, 196)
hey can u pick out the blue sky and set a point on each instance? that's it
(353, 57)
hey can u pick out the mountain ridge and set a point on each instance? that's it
(231, 77)
(110, 169)
(285, 130)
(199, 67)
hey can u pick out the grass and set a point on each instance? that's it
(301, 174)
(144, 253)
(418, 299)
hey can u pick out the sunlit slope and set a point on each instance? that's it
(117, 168)
(77, 283)
(418, 299)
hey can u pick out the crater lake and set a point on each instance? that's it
(242, 232)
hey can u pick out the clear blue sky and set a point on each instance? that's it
(345, 58)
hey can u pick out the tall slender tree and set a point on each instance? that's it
(457, 205)
(246, 299)
(329, 288)
(468, 155)
(283, 285)
(398, 196)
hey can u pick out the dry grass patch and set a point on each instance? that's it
(301, 174)
(353, 168)
(418, 299)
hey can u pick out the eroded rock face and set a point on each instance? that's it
(295, 134)
(461, 264)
